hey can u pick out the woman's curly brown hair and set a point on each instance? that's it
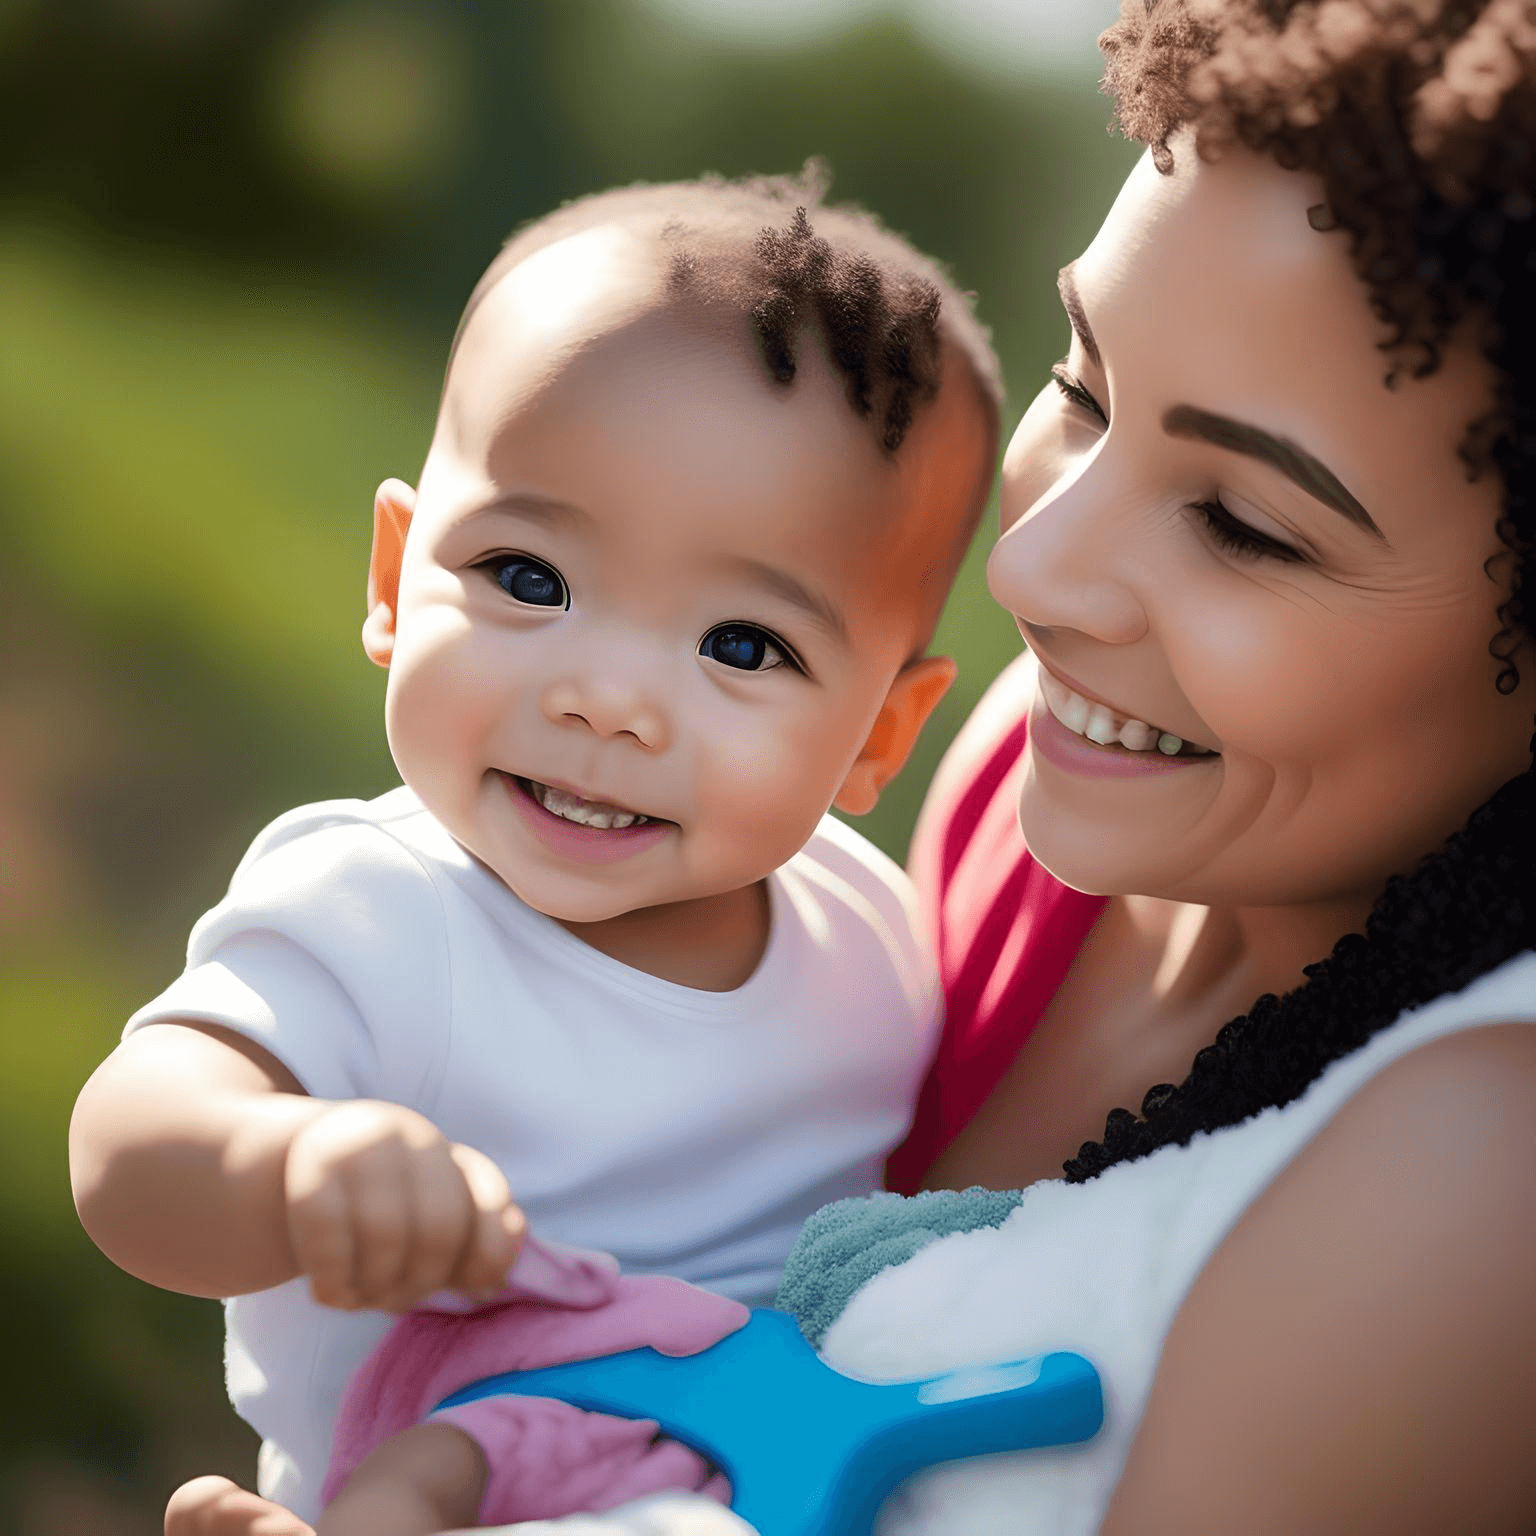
(1419, 117)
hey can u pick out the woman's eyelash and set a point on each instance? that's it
(1076, 393)
(1237, 538)
(1227, 531)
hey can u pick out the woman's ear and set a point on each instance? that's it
(913, 697)
(393, 504)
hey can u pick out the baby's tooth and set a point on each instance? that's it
(1169, 744)
(1137, 735)
(1100, 726)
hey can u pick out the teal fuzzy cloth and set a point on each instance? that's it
(843, 1246)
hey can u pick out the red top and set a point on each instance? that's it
(1005, 929)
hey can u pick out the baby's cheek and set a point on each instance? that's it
(766, 792)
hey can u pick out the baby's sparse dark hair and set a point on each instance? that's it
(772, 250)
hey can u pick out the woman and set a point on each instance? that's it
(1267, 534)
(1270, 526)
(1221, 521)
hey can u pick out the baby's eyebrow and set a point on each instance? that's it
(795, 592)
(547, 510)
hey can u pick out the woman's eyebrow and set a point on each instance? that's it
(1295, 463)
(1072, 302)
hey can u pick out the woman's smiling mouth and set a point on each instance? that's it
(1104, 727)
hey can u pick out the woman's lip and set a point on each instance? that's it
(571, 840)
(1094, 698)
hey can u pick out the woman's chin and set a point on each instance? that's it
(1088, 854)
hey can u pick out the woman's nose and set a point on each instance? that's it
(611, 706)
(1072, 562)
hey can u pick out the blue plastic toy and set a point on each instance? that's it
(808, 1451)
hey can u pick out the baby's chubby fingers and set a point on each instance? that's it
(377, 1211)
(440, 1217)
(497, 1227)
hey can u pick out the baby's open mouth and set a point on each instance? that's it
(597, 814)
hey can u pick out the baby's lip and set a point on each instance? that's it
(596, 803)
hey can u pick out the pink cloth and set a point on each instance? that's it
(546, 1458)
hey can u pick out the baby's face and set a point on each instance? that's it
(651, 604)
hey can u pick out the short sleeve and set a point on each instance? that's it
(330, 951)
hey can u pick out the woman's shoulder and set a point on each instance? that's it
(1383, 1279)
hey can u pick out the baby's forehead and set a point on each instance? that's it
(599, 314)
(540, 312)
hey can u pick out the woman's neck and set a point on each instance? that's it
(1216, 961)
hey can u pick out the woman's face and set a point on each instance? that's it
(1248, 566)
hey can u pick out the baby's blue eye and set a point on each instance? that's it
(744, 647)
(530, 581)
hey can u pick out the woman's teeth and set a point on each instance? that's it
(585, 813)
(1098, 724)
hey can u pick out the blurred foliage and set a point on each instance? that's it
(233, 240)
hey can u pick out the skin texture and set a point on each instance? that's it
(1353, 1359)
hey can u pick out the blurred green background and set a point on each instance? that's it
(234, 236)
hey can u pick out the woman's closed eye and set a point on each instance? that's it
(1223, 527)
(1230, 533)
(747, 648)
(1076, 392)
(528, 581)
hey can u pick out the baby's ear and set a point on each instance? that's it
(913, 697)
(393, 504)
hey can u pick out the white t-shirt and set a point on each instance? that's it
(686, 1132)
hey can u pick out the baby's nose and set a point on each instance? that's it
(612, 707)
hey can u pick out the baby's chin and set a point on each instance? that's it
(577, 907)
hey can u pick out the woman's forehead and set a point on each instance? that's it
(1227, 239)
(1214, 289)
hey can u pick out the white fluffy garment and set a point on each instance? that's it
(1100, 1268)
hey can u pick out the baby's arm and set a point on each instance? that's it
(200, 1165)
(426, 1479)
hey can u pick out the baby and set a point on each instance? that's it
(703, 470)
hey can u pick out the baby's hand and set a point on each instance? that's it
(383, 1210)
